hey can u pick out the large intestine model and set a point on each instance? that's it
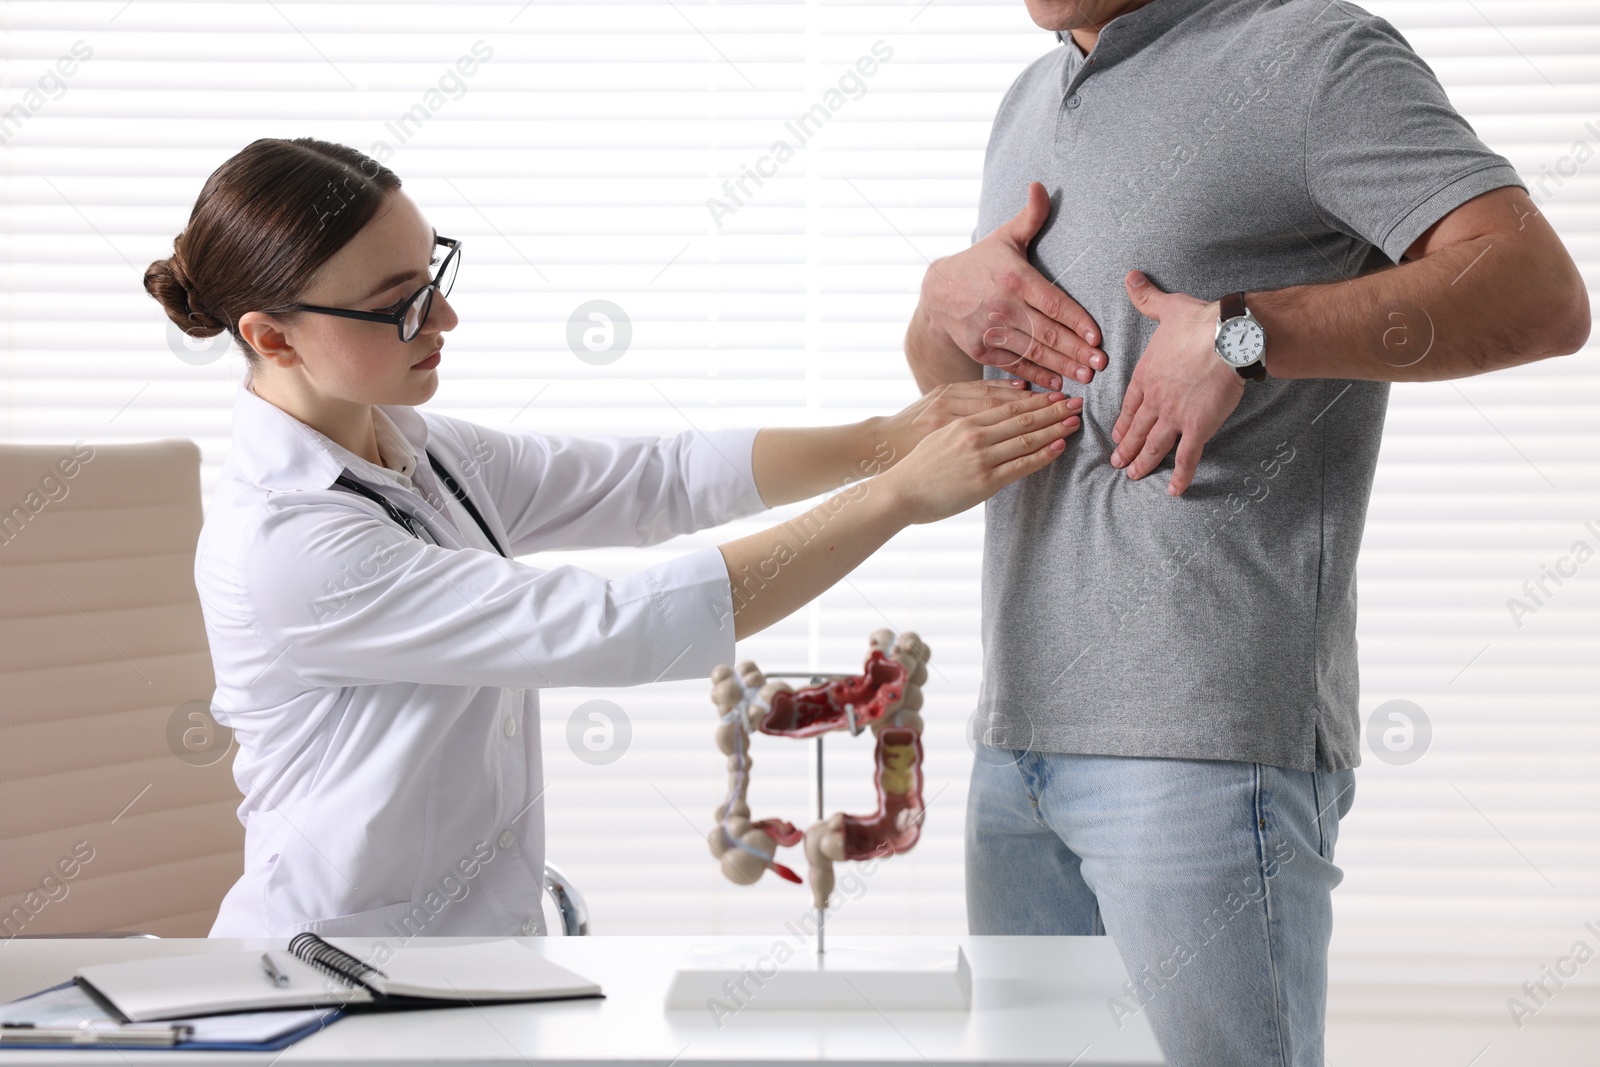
(885, 698)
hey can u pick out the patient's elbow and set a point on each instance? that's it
(1576, 322)
(1554, 319)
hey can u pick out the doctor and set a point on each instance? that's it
(378, 650)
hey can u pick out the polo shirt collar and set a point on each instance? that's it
(1126, 34)
(275, 450)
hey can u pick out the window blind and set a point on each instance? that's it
(629, 152)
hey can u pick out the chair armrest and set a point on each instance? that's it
(569, 902)
(90, 933)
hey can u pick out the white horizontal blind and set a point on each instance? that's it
(577, 161)
(1474, 867)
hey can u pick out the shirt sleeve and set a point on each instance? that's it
(1387, 155)
(556, 491)
(346, 598)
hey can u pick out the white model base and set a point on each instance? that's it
(909, 978)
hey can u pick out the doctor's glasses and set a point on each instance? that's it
(409, 314)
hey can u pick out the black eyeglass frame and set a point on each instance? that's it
(398, 319)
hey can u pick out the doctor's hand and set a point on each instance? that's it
(943, 404)
(989, 303)
(971, 458)
(1180, 392)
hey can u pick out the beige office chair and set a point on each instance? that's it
(117, 800)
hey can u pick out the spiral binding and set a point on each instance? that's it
(336, 962)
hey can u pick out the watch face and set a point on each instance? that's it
(1241, 342)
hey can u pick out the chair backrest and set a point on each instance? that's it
(117, 800)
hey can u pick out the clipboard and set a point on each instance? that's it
(70, 1006)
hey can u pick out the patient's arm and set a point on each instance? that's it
(1488, 286)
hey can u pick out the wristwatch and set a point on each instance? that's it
(1240, 340)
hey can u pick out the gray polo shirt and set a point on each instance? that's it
(1217, 145)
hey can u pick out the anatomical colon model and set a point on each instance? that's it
(886, 698)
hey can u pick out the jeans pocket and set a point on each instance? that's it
(1331, 792)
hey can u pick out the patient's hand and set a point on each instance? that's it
(990, 302)
(1180, 391)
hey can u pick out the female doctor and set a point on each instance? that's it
(378, 649)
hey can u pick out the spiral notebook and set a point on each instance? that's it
(339, 971)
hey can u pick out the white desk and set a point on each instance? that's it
(1035, 1000)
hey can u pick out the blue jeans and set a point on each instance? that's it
(1212, 877)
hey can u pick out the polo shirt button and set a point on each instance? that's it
(1072, 101)
(505, 839)
(530, 928)
(511, 727)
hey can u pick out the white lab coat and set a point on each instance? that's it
(384, 692)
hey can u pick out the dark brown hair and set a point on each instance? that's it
(264, 222)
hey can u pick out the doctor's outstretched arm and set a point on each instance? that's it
(961, 463)
(338, 595)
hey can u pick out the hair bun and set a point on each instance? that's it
(167, 281)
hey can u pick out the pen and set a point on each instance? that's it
(93, 1033)
(275, 976)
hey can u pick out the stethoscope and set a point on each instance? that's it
(409, 521)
